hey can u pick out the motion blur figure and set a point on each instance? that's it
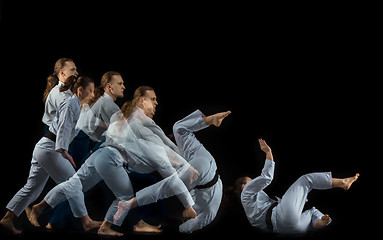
(206, 190)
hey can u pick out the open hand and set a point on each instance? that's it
(265, 148)
(66, 155)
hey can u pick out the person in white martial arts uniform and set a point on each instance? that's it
(102, 105)
(95, 115)
(141, 148)
(93, 122)
(207, 190)
(285, 215)
(64, 68)
(50, 157)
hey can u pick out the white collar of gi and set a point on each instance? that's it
(107, 96)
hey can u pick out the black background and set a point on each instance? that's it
(298, 76)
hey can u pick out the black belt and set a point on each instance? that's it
(268, 216)
(209, 184)
(50, 135)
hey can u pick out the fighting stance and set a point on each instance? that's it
(126, 141)
(285, 215)
(206, 191)
(92, 123)
(50, 157)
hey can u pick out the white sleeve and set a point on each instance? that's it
(64, 128)
(261, 182)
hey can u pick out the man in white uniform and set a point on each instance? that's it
(93, 122)
(144, 151)
(55, 97)
(206, 190)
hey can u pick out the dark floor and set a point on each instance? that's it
(226, 224)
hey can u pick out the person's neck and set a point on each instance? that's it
(111, 95)
(61, 79)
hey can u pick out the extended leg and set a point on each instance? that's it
(26, 195)
(85, 178)
(184, 129)
(289, 211)
(117, 179)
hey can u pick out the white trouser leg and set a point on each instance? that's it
(31, 190)
(289, 210)
(117, 179)
(73, 189)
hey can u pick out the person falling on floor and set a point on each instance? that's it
(285, 215)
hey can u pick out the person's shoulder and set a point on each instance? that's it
(71, 102)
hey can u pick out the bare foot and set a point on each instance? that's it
(34, 215)
(91, 225)
(347, 182)
(123, 207)
(323, 221)
(8, 224)
(105, 230)
(216, 119)
(145, 227)
(49, 226)
(188, 213)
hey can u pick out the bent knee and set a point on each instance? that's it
(178, 129)
(307, 179)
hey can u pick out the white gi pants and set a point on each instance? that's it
(105, 165)
(46, 162)
(287, 216)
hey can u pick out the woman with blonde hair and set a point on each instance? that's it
(50, 156)
(96, 114)
(285, 215)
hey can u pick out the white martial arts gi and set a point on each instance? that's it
(55, 97)
(95, 120)
(46, 161)
(156, 152)
(287, 216)
(144, 152)
(207, 200)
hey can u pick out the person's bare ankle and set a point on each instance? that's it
(106, 230)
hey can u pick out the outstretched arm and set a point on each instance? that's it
(261, 182)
